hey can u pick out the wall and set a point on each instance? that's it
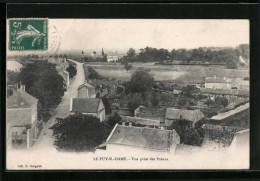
(218, 85)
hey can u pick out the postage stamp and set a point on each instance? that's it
(28, 34)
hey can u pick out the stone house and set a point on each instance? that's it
(86, 90)
(88, 106)
(173, 114)
(21, 116)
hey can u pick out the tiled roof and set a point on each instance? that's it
(142, 121)
(85, 105)
(151, 113)
(20, 99)
(142, 137)
(236, 92)
(189, 115)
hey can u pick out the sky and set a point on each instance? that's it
(119, 34)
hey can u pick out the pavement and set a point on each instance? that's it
(45, 139)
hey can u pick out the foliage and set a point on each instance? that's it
(141, 81)
(221, 101)
(107, 105)
(12, 77)
(188, 135)
(72, 70)
(93, 74)
(127, 66)
(113, 120)
(232, 63)
(79, 133)
(191, 92)
(209, 55)
(131, 53)
(43, 82)
(210, 102)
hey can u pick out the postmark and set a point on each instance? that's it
(28, 34)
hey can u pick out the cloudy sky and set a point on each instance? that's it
(126, 33)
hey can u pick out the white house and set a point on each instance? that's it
(88, 106)
(222, 83)
(86, 90)
(111, 58)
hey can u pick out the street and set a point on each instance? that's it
(45, 139)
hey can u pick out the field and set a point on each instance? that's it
(185, 73)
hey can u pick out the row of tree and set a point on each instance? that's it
(225, 55)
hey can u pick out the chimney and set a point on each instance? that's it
(123, 123)
(130, 124)
(224, 78)
(214, 76)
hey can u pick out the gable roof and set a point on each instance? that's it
(85, 105)
(190, 115)
(20, 99)
(142, 137)
(87, 85)
(150, 113)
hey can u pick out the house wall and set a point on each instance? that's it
(101, 112)
(83, 93)
(218, 85)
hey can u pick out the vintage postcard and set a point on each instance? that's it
(127, 94)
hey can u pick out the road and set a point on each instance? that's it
(45, 139)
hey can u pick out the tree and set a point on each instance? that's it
(107, 105)
(221, 101)
(232, 63)
(113, 120)
(43, 82)
(155, 99)
(127, 66)
(79, 132)
(12, 77)
(191, 92)
(188, 134)
(141, 81)
(131, 53)
(72, 71)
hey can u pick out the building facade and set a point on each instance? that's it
(21, 116)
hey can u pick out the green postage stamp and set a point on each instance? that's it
(28, 34)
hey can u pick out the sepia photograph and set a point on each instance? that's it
(127, 94)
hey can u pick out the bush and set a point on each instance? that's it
(79, 133)
(113, 120)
